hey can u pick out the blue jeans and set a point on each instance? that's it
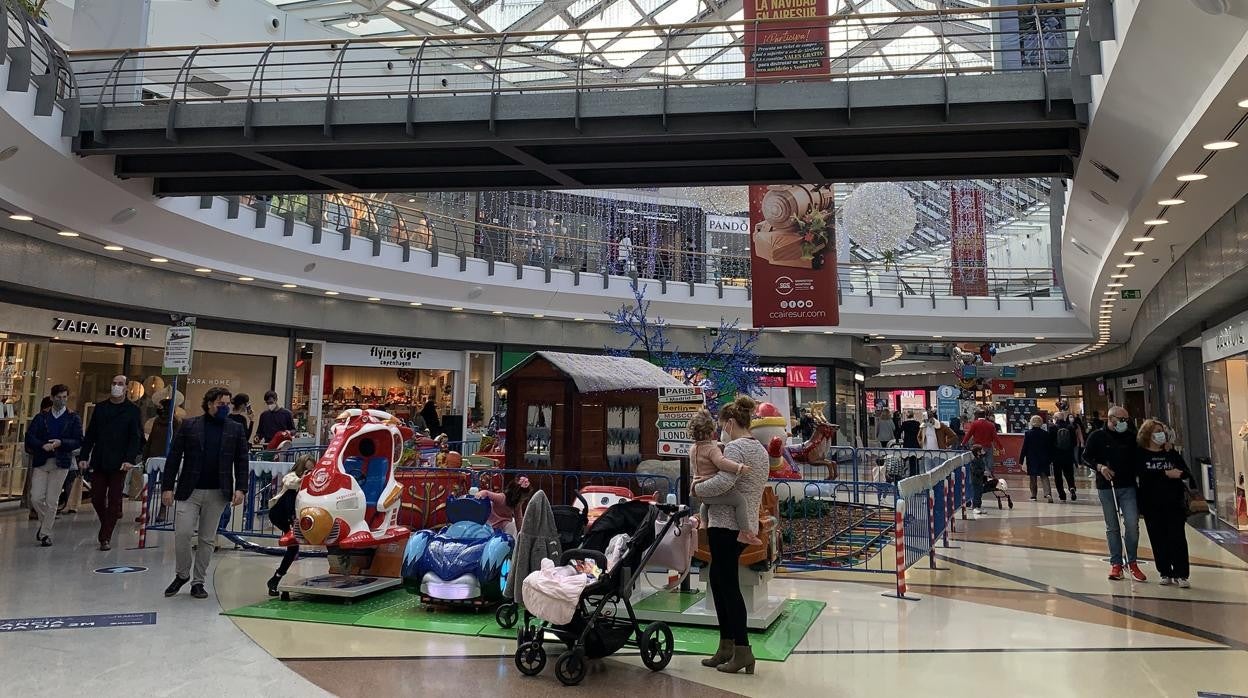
(1130, 508)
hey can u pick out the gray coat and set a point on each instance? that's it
(536, 541)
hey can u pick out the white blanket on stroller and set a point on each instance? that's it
(553, 592)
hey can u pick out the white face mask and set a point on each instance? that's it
(1159, 437)
(271, 406)
(118, 390)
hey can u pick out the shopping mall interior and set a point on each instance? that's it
(422, 303)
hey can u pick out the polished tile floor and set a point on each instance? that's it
(1021, 607)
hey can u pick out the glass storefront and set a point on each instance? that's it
(1224, 351)
(21, 370)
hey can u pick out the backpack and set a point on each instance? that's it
(894, 466)
(1065, 439)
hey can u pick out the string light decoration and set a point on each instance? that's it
(880, 216)
(724, 201)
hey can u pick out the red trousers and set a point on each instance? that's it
(106, 497)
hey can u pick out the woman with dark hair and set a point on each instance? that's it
(430, 416)
(508, 506)
(240, 411)
(734, 653)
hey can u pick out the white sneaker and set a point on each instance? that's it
(1184, 584)
(979, 512)
(1166, 581)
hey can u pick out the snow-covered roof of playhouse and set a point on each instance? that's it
(602, 374)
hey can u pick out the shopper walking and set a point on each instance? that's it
(44, 405)
(934, 435)
(1163, 502)
(274, 420)
(983, 432)
(432, 422)
(51, 438)
(1065, 444)
(1037, 456)
(206, 470)
(885, 430)
(240, 412)
(979, 478)
(110, 449)
(158, 443)
(1111, 452)
(734, 653)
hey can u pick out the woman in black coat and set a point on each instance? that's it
(1037, 455)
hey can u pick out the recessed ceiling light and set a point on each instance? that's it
(1133, 253)
(68, 234)
(1194, 177)
(158, 260)
(374, 299)
(578, 319)
(1117, 276)
(700, 327)
(1039, 337)
(114, 248)
(1171, 202)
(1243, 104)
(937, 336)
(1143, 238)
(498, 312)
(203, 270)
(456, 309)
(1111, 293)
(246, 278)
(1220, 145)
(21, 217)
(1114, 285)
(331, 293)
(786, 331)
(1156, 221)
(1126, 265)
(289, 286)
(538, 315)
(828, 332)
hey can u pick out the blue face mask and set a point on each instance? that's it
(223, 411)
(1120, 426)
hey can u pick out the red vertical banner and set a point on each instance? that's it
(968, 247)
(793, 229)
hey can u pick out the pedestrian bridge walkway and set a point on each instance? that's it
(971, 93)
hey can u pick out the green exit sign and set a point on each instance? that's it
(1130, 294)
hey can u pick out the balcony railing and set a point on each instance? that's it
(860, 46)
(375, 222)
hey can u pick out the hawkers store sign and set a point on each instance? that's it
(1226, 339)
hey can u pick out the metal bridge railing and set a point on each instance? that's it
(375, 221)
(33, 53)
(861, 46)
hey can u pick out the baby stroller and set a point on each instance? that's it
(594, 632)
(571, 522)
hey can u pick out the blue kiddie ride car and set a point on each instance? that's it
(464, 564)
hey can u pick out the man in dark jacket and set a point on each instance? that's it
(274, 420)
(110, 449)
(51, 439)
(208, 467)
(1111, 453)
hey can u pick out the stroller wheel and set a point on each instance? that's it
(657, 644)
(507, 615)
(570, 668)
(531, 658)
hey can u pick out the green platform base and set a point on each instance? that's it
(400, 610)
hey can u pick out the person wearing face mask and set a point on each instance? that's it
(1163, 501)
(52, 438)
(274, 420)
(206, 471)
(110, 449)
(934, 435)
(1111, 452)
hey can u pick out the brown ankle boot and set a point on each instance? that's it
(723, 654)
(742, 658)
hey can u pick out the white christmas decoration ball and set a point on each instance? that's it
(879, 216)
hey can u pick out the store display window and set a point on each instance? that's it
(22, 364)
(1226, 386)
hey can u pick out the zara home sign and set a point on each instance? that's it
(94, 328)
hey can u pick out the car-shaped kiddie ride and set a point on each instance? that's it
(464, 564)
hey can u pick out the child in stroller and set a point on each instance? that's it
(570, 524)
(983, 481)
(594, 632)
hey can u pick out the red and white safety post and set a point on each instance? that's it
(931, 529)
(143, 520)
(949, 508)
(899, 545)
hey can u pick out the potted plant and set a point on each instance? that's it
(34, 8)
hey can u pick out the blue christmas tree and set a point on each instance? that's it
(728, 358)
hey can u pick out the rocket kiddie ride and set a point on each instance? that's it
(349, 503)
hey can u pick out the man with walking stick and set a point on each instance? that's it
(1110, 452)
